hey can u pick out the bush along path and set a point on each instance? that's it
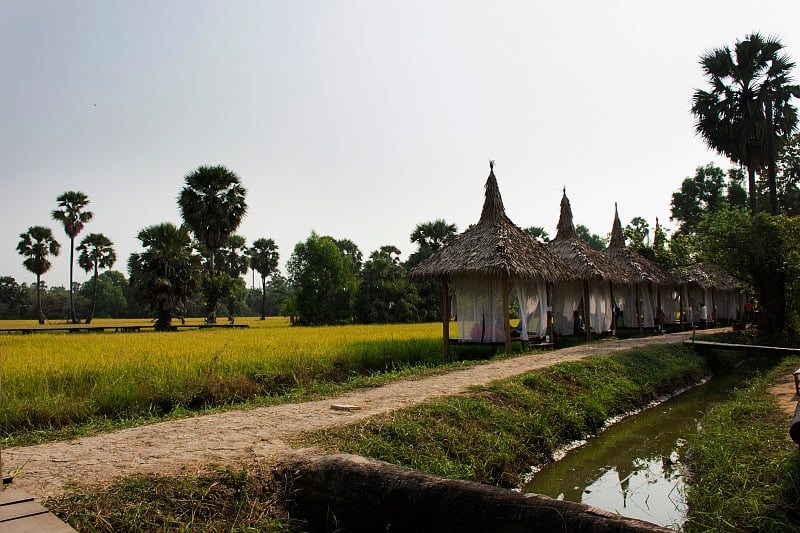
(261, 434)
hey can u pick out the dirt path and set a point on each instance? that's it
(256, 434)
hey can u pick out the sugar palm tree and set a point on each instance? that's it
(747, 113)
(264, 260)
(213, 205)
(96, 252)
(72, 215)
(233, 261)
(167, 272)
(36, 245)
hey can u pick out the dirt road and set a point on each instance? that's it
(256, 434)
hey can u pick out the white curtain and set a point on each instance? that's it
(625, 296)
(479, 308)
(647, 306)
(669, 303)
(532, 297)
(566, 299)
(600, 308)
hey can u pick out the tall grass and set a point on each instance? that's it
(55, 380)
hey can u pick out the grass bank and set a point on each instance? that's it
(744, 469)
(496, 432)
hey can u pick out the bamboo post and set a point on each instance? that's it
(446, 320)
(680, 305)
(506, 317)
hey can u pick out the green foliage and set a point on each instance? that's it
(592, 239)
(167, 272)
(36, 245)
(538, 233)
(429, 237)
(96, 253)
(637, 233)
(384, 293)
(264, 260)
(107, 291)
(322, 281)
(706, 192)
(73, 216)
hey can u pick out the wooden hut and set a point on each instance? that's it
(593, 294)
(652, 297)
(482, 264)
(708, 284)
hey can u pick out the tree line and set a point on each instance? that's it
(747, 114)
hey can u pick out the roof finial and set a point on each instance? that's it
(491, 165)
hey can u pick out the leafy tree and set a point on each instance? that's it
(96, 252)
(703, 193)
(166, 273)
(429, 237)
(106, 293)
(213, 205)
(264, 260)
(762, 250)
(72, 215)
(232, 259)
(384, 292)
(322, 280)
(36, 245)
(351, 251)
(538, 233)
(592, 239)
(747, 113)
(12, 298)
(637, 232)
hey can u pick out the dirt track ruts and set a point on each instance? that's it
(257, 434)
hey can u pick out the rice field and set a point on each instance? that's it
(52, 380)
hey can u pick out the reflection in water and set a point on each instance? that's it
(632, 468)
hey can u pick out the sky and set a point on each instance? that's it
(355, 119)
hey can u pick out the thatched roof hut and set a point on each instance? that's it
(481, 263)
(495, 245)
(591, 264)
(640, 268)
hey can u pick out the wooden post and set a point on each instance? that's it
(446, 320)
(586, 308)
(639, 308)
(680, 305)
(507, 326)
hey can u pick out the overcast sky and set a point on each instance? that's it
(355, 119)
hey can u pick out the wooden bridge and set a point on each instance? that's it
(750, 348)
(20, 514)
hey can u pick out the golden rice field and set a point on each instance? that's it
(51, 380)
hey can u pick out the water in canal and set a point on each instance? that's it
(632, 468)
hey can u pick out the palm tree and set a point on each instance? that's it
(430, 236)
(37, 244)
(167, 272)
(72, 215)
(96, 253)
(747, 114)
(264, 259)
(232, 260)
(212, 204)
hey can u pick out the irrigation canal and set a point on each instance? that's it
(633, 468)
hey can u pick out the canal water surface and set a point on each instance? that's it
(633, 467)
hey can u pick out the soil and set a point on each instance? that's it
(258, 434)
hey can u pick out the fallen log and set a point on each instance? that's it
(347, 493)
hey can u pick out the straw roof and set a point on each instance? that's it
(708, 276)
(588, 262)
(637, 266)
(494, 246)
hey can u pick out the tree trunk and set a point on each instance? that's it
(94, 296)
(446, 320)
(751, 182)
(211, 305)
(263, 297)
(355, 494)
(164, 320)
(71, 301)
(39, 298)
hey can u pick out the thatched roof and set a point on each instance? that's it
(639, 267)
(588, 262)
(707, 276)
(494, 246)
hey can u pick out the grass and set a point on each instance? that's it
(497, 432)
(219, 499)
(744, 470)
